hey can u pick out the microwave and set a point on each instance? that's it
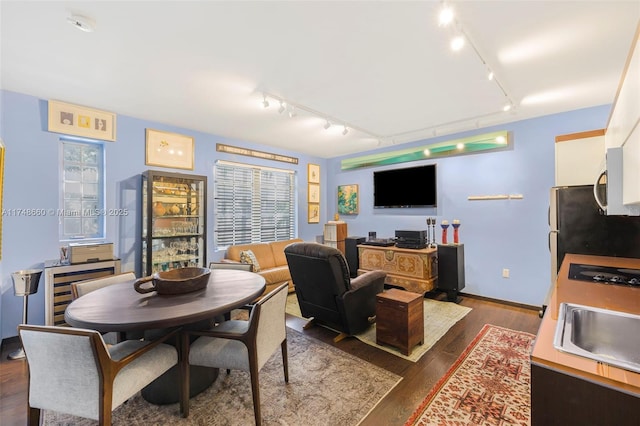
(607, 189)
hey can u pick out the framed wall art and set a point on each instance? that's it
(313, 173)
(77, 120)
(314, 193)
(166, 149)
(348, 199)
(314, 213)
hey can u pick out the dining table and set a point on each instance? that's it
(120, 308)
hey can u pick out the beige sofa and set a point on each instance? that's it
(271, 260)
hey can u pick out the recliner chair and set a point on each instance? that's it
(327, 294)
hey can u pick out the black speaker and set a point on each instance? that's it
(451, 269)
(351, 253)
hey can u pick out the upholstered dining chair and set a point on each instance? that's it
(327, 294)
(72, 371)
(240, 345)
(231, 265)
(80, 288)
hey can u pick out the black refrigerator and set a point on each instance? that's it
(578, 226)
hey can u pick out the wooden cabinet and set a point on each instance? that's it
(579, 157)
(400, 319)
(58, 279)
(335, 234)
(414, 270)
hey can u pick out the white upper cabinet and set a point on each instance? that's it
(579, 157)
(626, 109)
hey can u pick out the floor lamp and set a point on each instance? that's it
(25, 282)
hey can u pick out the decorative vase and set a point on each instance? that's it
(158, 209)
(456, 236)
(444, 224)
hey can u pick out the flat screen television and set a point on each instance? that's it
(405, 188)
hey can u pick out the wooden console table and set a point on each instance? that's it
(414, 270)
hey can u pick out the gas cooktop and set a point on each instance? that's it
(605, 274)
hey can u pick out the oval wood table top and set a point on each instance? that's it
(119, 307)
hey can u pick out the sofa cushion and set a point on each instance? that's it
(278, 250)
(276, 275)
(263, 253)
(247, 256)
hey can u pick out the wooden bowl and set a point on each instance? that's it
(175, 281)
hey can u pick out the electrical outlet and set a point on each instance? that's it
(505, 273)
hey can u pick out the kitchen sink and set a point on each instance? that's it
(603, 335)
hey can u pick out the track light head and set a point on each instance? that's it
(446, 16)
(327, 125)
(265, 102)
(292, 111)
(282, 107)
(345, 131)
(457, 43)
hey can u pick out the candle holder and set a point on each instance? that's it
(456, 235)
(444, 224)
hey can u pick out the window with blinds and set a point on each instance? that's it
(252, 204)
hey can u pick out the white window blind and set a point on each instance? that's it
(252, 204)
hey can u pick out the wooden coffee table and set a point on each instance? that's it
(400, 319)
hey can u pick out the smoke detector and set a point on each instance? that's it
(82, 23)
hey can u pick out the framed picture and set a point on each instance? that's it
(313, 173)
(81, 121)
(313, 213)
(166, 149)
(348, 199)
(314, 193)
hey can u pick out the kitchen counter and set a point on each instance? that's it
(615, 297)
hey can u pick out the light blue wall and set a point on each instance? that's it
(31, 181)
(500, 234)
(497, 234)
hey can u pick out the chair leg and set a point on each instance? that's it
(105, 408)
(285, 360)
(255, 389)
(184, 374)
(340, 337)
(33, 416)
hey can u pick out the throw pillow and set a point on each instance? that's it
(247, 256)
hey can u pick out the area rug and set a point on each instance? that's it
(439, 317)
(489, 384)
(326, 387)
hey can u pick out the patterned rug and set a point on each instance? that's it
(439, 317)
(489, 384)
(326, 387)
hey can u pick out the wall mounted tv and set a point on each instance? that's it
(404, 188)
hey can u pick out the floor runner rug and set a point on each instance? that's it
(489, 384)
(326, 387)
(439, 317)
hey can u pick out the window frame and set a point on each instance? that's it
(249, 224)
(94, 211)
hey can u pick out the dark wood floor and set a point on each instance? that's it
(394, 409)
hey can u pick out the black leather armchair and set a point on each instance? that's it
(326, 292)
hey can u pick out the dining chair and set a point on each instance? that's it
(240, 345)
(80, 288)
(72, 371)
(231, 265)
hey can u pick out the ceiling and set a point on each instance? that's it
(382, 68)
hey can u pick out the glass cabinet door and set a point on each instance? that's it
(174, 221)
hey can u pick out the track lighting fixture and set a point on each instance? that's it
(490, 75)
(294, 108)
